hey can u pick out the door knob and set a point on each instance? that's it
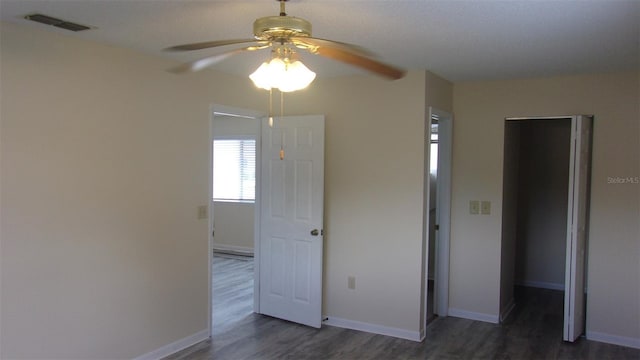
(315, 232)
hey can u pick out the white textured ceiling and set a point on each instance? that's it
(459, 40)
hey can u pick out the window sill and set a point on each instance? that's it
(235, 201)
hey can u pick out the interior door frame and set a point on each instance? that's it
(443, 211)
(218, 110)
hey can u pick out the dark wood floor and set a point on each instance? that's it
(533, 331)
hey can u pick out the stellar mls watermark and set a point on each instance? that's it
(623, 180)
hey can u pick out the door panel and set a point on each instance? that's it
(276, 193)
(579, 173)
(302, 275)
(303, 181)
(291, 208)
(276, 267)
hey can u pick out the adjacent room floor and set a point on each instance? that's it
(533, 331)
(232, 290)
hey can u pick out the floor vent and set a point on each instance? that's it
(48, 20)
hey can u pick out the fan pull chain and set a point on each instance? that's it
(270, 108)
(281, 132)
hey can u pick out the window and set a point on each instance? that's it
(234, 170)
(434, 148)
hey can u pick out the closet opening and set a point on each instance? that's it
(545, 197)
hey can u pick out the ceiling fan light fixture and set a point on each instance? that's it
(284, 34)
(296, 77)
(282, 74)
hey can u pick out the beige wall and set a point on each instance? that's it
(374, 160)
(439, 92)
(104, 161)
(234, 226)
(613, 301)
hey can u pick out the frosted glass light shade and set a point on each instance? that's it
(282, 75)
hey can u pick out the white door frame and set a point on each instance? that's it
(443, 211)
(217, 110)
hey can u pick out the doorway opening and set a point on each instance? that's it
(262, 215)
(234, 214)
(437, 205)
(433, 186)
(543, 254)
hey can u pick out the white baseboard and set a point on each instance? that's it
(495, 319)
(541, 285)
(507, 310)
(614, 339)
(372, 328)
(240, 250)
(175, 346)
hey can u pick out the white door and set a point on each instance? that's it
(574, 296)
(291, 219)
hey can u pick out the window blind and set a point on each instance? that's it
(234, 169)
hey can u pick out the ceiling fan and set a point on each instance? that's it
(285, 34)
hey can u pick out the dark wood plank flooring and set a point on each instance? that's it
(533, 331)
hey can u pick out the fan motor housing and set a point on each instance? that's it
(278, 27)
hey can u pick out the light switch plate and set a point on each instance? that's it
(474, 207)
(485, 207)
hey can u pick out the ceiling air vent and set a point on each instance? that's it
(48, 20)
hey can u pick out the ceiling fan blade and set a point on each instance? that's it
(352, 58)
(210, 44)
(211, 60)
(311, 42)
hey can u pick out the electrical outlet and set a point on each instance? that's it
(485, 207)
(202, 212)
(351, 282)
(474, 207)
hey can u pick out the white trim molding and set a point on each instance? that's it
(614, 339)
(507, 310)
(175, 346)
(490, 318)
(372, 328)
